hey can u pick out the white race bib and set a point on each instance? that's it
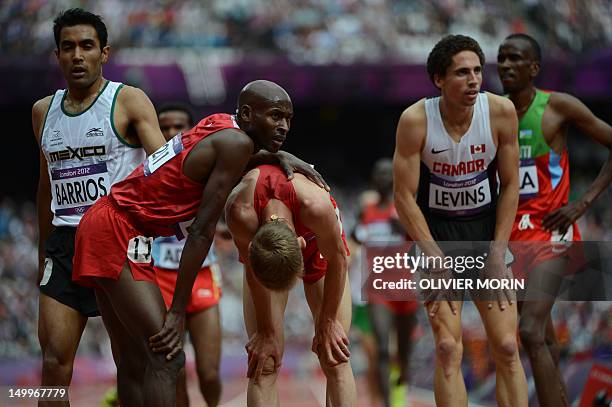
(528, 179)
(163, 154)
(74, 190)
(460, 198)
(168, 253)
(139, 249)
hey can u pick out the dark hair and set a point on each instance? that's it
(536, 52)
(176, 106)
(441, 56)
(275, 256)
(76, 16)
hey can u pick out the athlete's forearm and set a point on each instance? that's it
(601, 182)
(412, 219)
(335, 279)
(195, 251)
(262, 303)
(507, 204)
(262, 157)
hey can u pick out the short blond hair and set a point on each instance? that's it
(275, 256)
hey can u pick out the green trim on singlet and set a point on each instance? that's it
(42, 130)
(530, 128)
(112, 120)
(88, 107)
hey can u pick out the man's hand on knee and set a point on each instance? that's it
(264, 355)
(170, 339)
(435, 297)
(330, 342)
(496, 269)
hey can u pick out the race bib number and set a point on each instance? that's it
(170, 255)
(528, 179)
(164, 154)
(139, 249)
(74, 190)
(460, 197)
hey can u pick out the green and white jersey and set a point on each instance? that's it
(85, 154)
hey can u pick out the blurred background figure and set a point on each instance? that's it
(379, 228)
(203, 319)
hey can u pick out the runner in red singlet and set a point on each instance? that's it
(190, 176)
(379, 228)
(283, 230)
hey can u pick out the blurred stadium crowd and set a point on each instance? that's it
(317, 31)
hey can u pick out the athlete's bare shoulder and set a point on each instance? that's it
(313, 199)
(42, 104)
(240, 215)
(39, 111)
(499, 105)
(564, 103)
(132, 101)
(501, 112)
(242, 194)
(414, 115)
(130, 95)
(412, 129)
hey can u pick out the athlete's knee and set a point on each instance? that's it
(158, 362)
(269, 374)
(505, 350)
(449, 352)
(57, 365)
(209, 376)
(270, 368)
(531, 334)
(334, 371)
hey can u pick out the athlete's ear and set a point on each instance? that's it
(534, 69)
(244, 112)
(105, 54)
(301, 242)
(438, 81)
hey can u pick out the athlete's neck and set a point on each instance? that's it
(523, 99)
(456, 117)
(276, 209)
(80, 95)
(244, 127)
